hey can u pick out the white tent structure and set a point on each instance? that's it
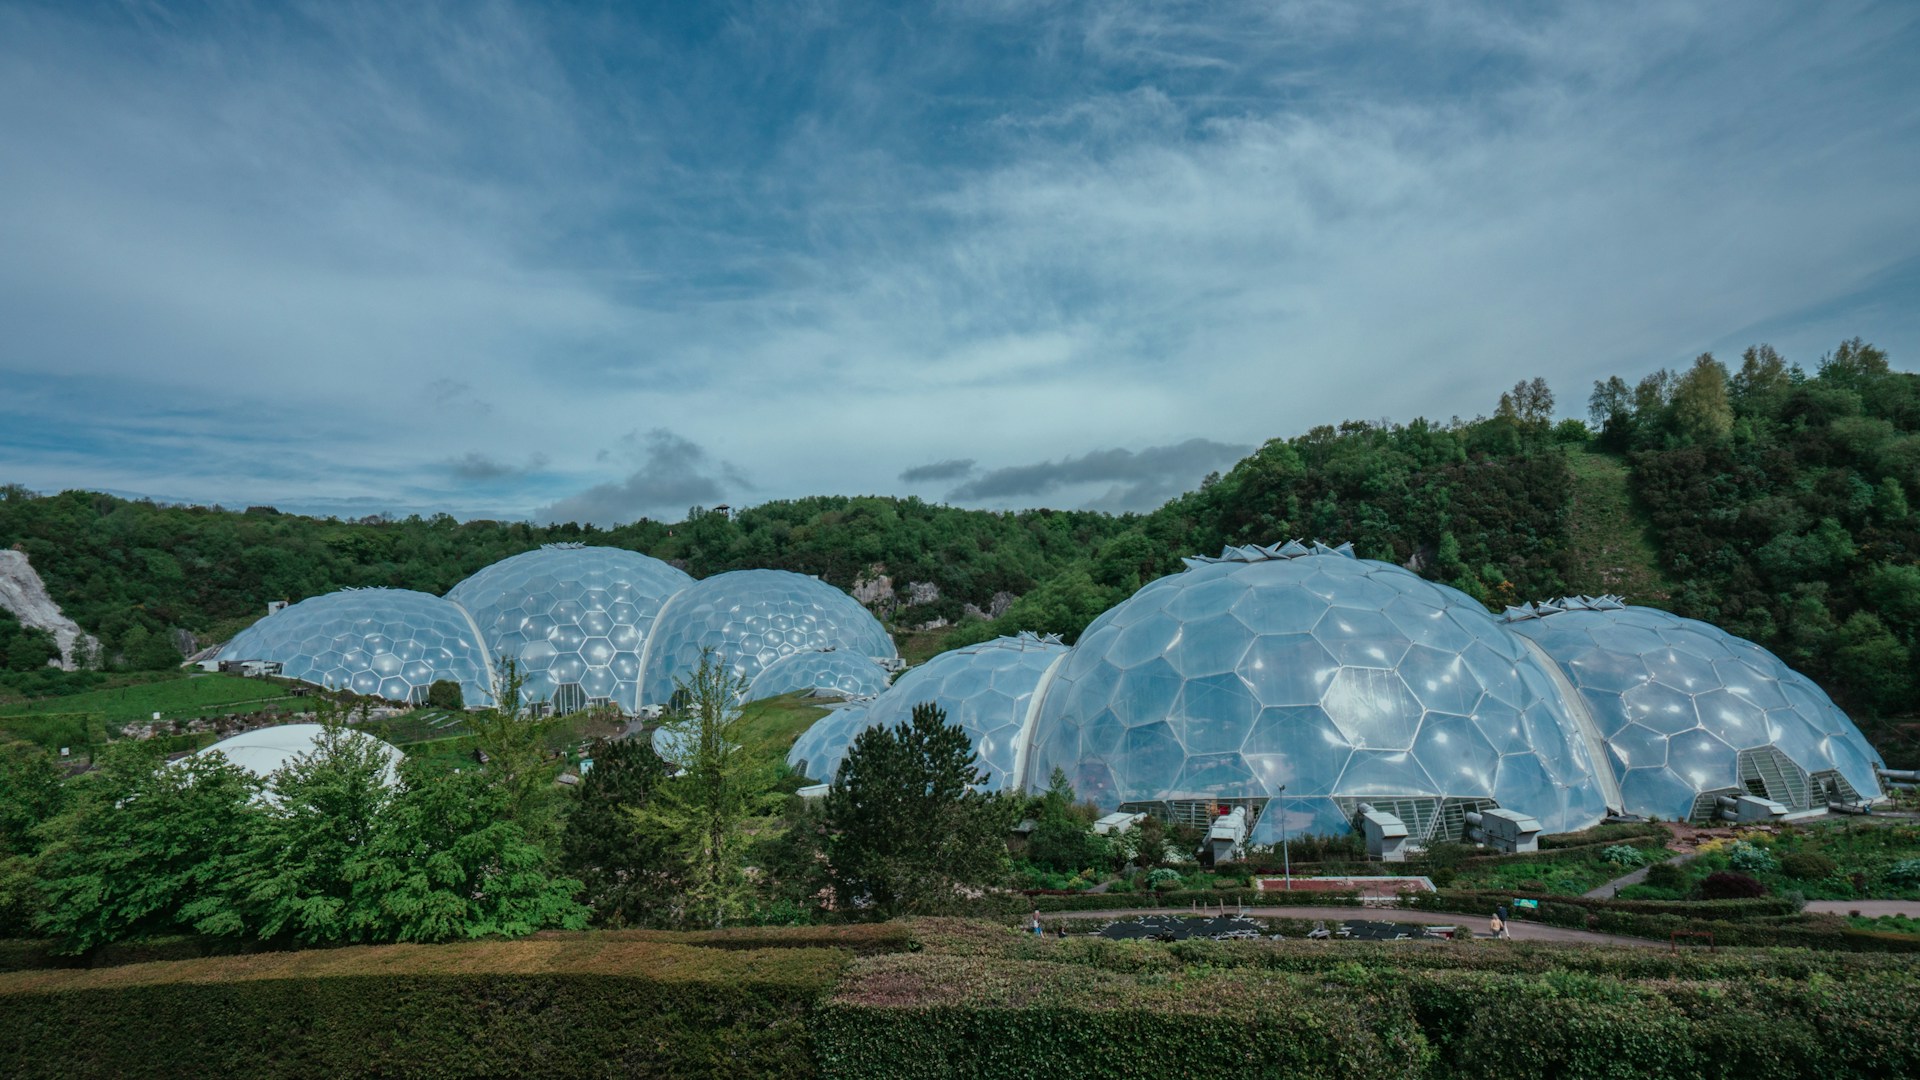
(264, 751)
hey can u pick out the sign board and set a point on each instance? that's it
(1532, 905)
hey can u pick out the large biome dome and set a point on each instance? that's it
(1345, 681)
(394, 643)
(818, 752)
(988, 690)
(751, 618)
(830, 671)
(1691, 713)
(574, 618)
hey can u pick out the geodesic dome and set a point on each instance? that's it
(1690, 712)
(751, 618)
(575, 618)
(265, 751)
(391, 642)
(1347, 681)
(830, 670)
(817, 753)
(987, 690)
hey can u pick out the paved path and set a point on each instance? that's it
(1607, 891)
(1871, 908)
(1522, 931)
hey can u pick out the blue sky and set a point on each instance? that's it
(611, 261)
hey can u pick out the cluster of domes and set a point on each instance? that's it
(584, 625)
(1301, 683)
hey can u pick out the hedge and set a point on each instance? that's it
(1762, 922)
(975, 1016)
(1362, 1012)
(587, 1006)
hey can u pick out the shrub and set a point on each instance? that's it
(1163, 879)
(1666, 875)
(1625, 855)
(1807, 865)
(1905, 873)
(1730, 885)
(1748, 859)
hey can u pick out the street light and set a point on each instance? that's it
(1286, 857)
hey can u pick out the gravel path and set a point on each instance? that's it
(1522, 931)
(1875, 908)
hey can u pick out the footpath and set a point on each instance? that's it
(1520, 929)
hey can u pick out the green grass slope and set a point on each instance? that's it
(1612, 545)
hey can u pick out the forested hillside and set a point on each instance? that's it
(1772, 500)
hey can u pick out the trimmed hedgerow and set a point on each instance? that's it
(583, 1006)
(1187, 898)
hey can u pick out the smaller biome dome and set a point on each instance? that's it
(824, 671)
(987, 690)
(1691, 713)
(751, 618)
(265, 751)
(818, 752)
(394, 643)
(1343, 681)
(575, 619)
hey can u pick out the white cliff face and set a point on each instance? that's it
(23, 593)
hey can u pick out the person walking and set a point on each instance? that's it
(1038, 930)
(1497, 926)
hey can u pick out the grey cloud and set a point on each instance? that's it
(675, 472)
(951, 469)
(476, 467)
(1139, 479)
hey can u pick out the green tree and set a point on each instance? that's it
(907, 830)
(1063, 839)
(148, 848)
(514, 742)
(30, 649)
(619, 863)
(448, 861)
(699, 816)
(30, 795)
(445, 694)
(323, 815)
(1701, 410)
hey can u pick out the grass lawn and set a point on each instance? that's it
(770, 726)
(179, 697)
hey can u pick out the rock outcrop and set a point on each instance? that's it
(23, 593)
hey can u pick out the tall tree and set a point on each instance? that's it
(324, 811)
(699, 816)
(619, 863)
(907, 829)
(448, 861)
(514, 743)
(148, 848)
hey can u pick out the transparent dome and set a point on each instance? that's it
(391, 642)
(1345, 680)
(751, 618)
(817, 753)
(1689, 711)
(576, 618)
(832, 671)
(986, 690)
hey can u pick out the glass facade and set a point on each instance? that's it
(751, 618)
(575, 618)
(1343, 680)
(1688, 710)
(818, 752)
(986, 689)
(832, 671)
(393, 643)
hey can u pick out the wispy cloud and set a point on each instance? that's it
(1133, 479)
(950, 469)
(325, 252)
(673, 474)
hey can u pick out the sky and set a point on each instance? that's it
(602, 262)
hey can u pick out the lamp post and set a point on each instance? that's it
(1286, 857)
